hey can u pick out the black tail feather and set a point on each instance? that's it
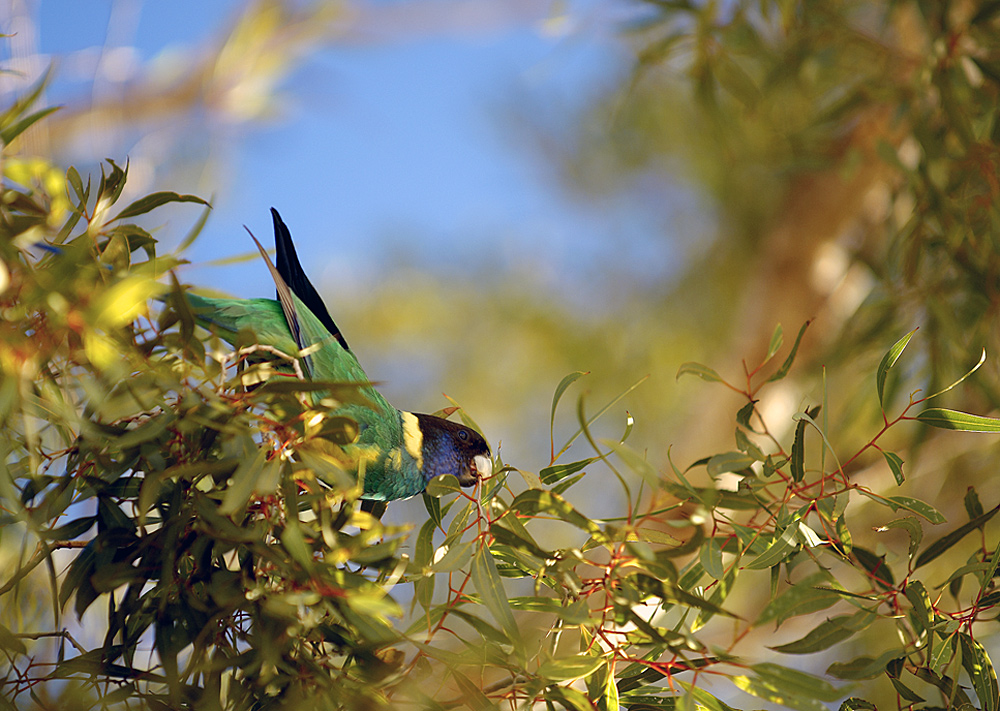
(294, 275)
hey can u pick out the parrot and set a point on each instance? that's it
(401, 451)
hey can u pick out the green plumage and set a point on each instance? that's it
(401, 451)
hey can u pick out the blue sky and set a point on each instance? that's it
(410, 142)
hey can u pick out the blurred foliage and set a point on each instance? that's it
(175, 538)
(859, 137)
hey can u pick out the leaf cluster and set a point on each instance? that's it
(194, 504)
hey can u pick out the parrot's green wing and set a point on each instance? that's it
(396, 452)
(327, 360)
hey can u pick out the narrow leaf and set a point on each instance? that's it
(977, 366)
(777, 339)
(798, 458)
(578, 666)
(557, 472)
(955, 420)
(702, 371)
(912, 526)
(787, 365)
(14, 130)
(828, 633)
(491, 590)
(921, 508)
(711, 558)
(801, 598)
(777, 551)
(560, 389)
(154, 200)
(728, 462)
(888, 360)
(896, 465)
(864, 667)
(941, 545)
(980, 669)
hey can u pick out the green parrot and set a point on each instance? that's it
(401, 451)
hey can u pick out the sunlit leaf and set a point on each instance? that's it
(154, 200)
(955, 420)
(577, 666)
(981, 671)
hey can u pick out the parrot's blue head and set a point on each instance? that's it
(452, 448)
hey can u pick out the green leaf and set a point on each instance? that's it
(942, 544)
(953, 692)
(433, 506)
(920, 508)
(703, 698)
(611, 698)
(876, 566)
(634, 461)
(293, 542)
(9, 133)
(10, 642)
(797, 461)
(777, 339)
(711, 558)
(787, 687)
(442, 485)
(494, 597)
(782, 546)
(560, 389)
(912, 526)
(960, 421)
(896, 465)
(578, 666)
(735, 80)
(894, 670)
(973, 505)
(923, 613)
(557, 472)
(521, 540)
(977, 366)
(801, 598)
(71, 530)
(248, 478)
(980, 669)
(534, 501)
(853, 703)
(987, 576)
(728, 462)
(864, 667)
(828, 633)
(787, 365)
(702, 371)
(888, 360)
(472, 694)
(154, 200)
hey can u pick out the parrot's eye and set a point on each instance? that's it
(463, 435)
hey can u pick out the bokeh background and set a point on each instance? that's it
(492, 195)
(422, 155)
